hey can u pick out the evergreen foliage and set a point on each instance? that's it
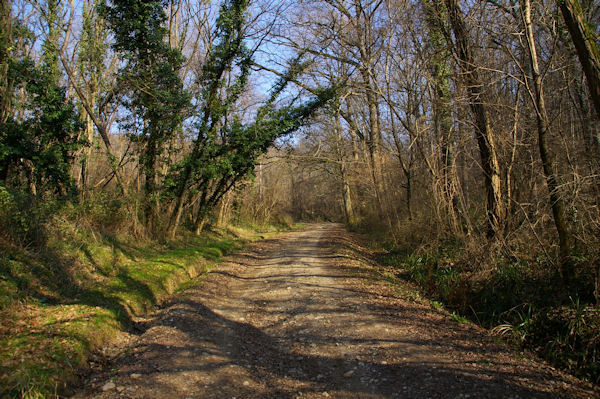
(151, 88)
(226, 149)
(93, 47)
(39, 137)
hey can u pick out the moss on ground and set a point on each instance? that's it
(62, 301)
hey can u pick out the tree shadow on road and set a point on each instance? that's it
(264, 362)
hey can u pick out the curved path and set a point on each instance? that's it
(300, 316)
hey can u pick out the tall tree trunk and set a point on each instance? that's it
(364, 26)
(411, 130)
(583, 36)
(436, 19)
(150, 182)
(346, 192)
(101, 125)
(374, 144)
(87, 150)
(6, 39)
(405, 166)
(591, 134)
(546, 155)
(485, 137)
(224, 209)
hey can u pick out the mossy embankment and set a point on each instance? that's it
(62, 300)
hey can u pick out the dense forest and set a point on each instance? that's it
(461, 137)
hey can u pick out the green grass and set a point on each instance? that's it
(60, 302)
(458, 318)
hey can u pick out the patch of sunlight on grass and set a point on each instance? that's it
(48, 345)
(58, 307)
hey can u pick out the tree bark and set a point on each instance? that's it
(484, 134)
(87, 152)
(546, 155)
(585, 44)
(100, 124)
(6, 37)
(435, 17)
(374, 142)
(346, 192)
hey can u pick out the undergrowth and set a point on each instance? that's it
(71, 280)
(522, 299)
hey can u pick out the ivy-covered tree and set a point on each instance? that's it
(5, 47)
(225, 149)
(151, 88)
(91, 65)
(39, 133)
(439, 65)
(228, 51)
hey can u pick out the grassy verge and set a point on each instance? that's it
(62, 301)
(522, 300)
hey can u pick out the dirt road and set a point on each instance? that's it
(301, 317)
